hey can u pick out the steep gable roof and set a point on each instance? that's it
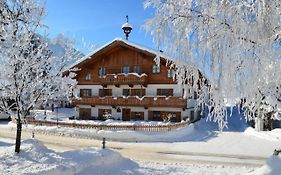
(117, 41)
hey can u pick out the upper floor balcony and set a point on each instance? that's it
(124, 79)
(145, 101)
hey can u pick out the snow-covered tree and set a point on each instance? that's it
(29, 72)
(234, 43)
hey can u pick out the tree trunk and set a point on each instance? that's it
(270, 127)
(18, 136)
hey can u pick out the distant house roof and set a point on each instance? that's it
(114, 42)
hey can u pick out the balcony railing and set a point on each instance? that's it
(124, 79)
(133, 101)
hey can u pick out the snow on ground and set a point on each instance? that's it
(35, 158)
(198, 141)
(123, 135)
(274, 135)
(60, 113)
(272, 167)
(201, 130)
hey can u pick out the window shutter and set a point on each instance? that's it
(101, 92)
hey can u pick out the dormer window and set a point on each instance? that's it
(102, 71)
(88, 77)
(156, 69)
(125, 69)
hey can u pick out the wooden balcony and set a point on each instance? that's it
(175, 102)
(124, 79)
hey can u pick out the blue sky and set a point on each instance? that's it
(97, 21)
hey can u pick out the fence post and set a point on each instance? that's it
(103, 143)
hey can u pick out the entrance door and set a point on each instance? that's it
(85, 113)
(126, 114)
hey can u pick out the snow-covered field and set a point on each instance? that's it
(60, 113)
(199, 149)
(35, 158)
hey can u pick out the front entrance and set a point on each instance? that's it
(126, 114)
(85, 113)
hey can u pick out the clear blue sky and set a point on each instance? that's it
(98, 21)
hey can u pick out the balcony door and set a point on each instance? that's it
(126, 114)
(85, 113)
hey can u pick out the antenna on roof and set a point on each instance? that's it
(127, 28)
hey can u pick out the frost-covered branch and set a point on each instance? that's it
(234, 43)
(30, 72)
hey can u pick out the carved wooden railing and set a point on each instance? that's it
(133, 101)
(124, 79)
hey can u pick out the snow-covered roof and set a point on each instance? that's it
(129, 43)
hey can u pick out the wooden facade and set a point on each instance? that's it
(116, 56)
(119, 77)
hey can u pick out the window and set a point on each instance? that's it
(88, 77)
(126, 92)
(156, 69)
(156, 116)
(125, 69)
(134, 92)
(165, 92)
(102, 71)
(137, 115)
(138, 92)
(105, 92)
(85, 92)
(137, 69)
(171, 73)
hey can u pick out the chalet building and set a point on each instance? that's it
(121, 80)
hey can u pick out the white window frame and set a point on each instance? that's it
(156, 69)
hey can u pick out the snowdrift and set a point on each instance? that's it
(272, 167)
(35, 158)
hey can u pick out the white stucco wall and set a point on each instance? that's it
(151, 90)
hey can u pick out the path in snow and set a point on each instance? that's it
(182, 152)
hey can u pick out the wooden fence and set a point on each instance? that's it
(148, 128)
